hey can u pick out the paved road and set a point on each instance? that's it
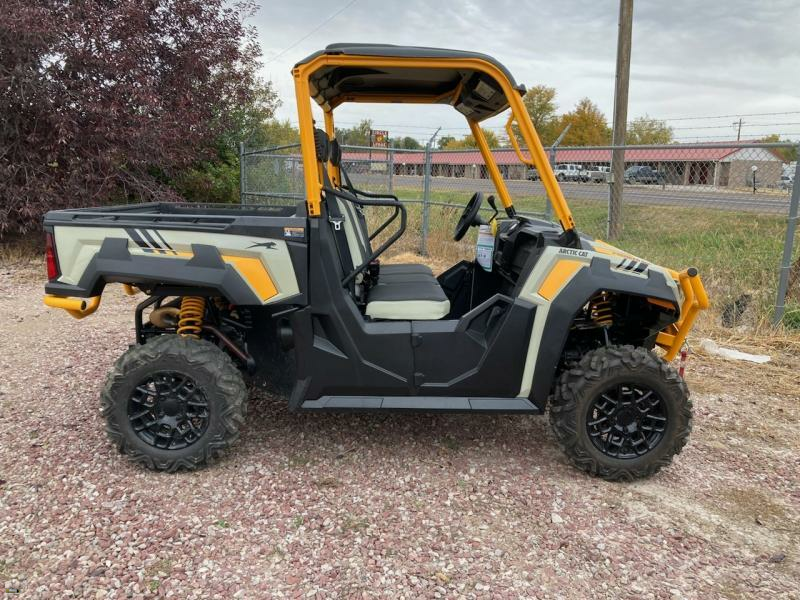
(643, 194)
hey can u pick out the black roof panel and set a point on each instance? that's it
(394, 51)
(480, 96)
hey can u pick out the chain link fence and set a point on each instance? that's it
(728, 209)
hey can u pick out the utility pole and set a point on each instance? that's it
(739, 130)
(620, 118)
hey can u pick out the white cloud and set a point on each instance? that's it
(689, 58)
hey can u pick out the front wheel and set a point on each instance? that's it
(174, 403)
(621, 413)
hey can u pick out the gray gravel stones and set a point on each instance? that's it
(400, 506)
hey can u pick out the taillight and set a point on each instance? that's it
(50, 255)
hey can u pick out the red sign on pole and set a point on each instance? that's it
(379, 138)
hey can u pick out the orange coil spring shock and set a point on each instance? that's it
(601, 311)
(190, 319)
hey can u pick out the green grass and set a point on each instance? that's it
(791, 317)
(736, 252)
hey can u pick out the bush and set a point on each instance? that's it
(115, 100)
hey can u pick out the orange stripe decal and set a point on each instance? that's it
(250, 268)
(254, 273)
(558, 277)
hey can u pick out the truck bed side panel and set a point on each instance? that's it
(249, 260)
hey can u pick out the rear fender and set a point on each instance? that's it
(240, 278)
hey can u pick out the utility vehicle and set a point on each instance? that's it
(269, 293)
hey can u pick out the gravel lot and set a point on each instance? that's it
(401, 506)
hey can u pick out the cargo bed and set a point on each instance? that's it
(249, 254)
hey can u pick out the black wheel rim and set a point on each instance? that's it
(627, 421)
(168, 411)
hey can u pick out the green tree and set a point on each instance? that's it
(540, 102)
(589, 126)
(787, 154)
(408, 143)
(274, 132)
(468, 141)
(215, 178)
(446, 139)
(358, 135)
(645, 130)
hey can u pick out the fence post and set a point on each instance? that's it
(548, 206)
(788, 246)
(426, 192)
(391, 170)
(241, 173)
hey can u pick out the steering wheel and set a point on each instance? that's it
(469, 217)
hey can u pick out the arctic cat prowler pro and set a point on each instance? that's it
(556, 322)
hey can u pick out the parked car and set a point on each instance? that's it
(786, 182)
(643, 174)
(532, 175)
(569, 172)
(600, 174)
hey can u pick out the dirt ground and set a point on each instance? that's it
(401, 506)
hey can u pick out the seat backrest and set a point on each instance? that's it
(335, 210)
(355, 224)
(359, 251)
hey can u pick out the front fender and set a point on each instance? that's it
(601, 273)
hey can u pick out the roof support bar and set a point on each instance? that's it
(303, 71)
(540, 161)
(491, 165)
(330, 129)
(307, 146)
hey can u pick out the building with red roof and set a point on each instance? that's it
(728, 164)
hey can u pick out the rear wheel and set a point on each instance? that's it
(174, 403)
(622, 413)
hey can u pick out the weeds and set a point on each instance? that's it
(736, 252)
(353, 523)
(298, 461)
(156, 573)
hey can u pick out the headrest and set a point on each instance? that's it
(336, 153)
(322, 145)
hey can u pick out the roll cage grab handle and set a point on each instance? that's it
(538, 157)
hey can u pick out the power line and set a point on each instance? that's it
(729, 126)
(767, 114)
(312, 32)
(749, 135)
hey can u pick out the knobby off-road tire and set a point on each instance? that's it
(212, 373)
(580, 387)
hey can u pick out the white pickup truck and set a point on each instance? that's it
(571, 172)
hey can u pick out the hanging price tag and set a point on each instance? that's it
(485, 248)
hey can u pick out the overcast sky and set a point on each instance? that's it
(689, 59)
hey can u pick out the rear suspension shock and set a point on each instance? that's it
(190, 318)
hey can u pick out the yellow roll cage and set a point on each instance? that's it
(538, 159)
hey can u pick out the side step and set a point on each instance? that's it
(421, 403)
